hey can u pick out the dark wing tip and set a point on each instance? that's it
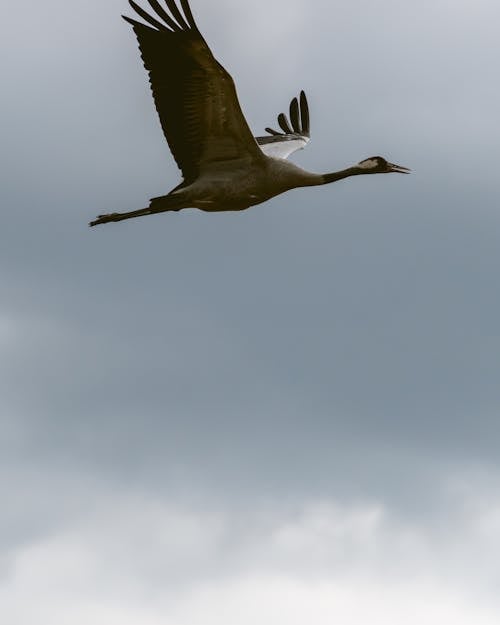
(135, 23)
(176, 21)
(189, 16)
(272, 132)
(176, 14)
(162, 14)
(146, 17)
(284, 124)
(295, 116)
(299, 119)
(304, 114)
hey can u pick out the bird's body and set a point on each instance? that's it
(225, 168)
(240, 184)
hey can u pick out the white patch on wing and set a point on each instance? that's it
(283, 149)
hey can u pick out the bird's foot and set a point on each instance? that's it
(103, 219)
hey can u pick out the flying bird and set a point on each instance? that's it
(224, 167)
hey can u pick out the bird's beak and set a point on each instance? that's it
(398, 169)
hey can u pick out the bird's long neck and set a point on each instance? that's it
(344, 173)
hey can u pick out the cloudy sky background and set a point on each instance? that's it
(289, 414)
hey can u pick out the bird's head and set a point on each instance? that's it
(379, 165)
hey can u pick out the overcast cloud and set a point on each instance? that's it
(289, 414)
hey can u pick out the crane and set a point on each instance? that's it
(224, 167)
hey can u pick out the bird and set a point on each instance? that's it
(224, 167)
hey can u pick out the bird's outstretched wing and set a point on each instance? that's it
(194, 95)
(296, 131)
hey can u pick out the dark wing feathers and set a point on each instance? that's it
(298, 123)
(304, 114)
(284, 125)
(145, 16)
(189, 16)
(177, 15)
(160, 11)
(194, 95)
(273, 132)
(294, 115)
(297, 126)
(295, 129)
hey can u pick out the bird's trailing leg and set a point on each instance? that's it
(104, 219)
(158, 205)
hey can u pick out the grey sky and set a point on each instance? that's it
(285, 414)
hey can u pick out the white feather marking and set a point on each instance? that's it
(370, 163)
(283, 149)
